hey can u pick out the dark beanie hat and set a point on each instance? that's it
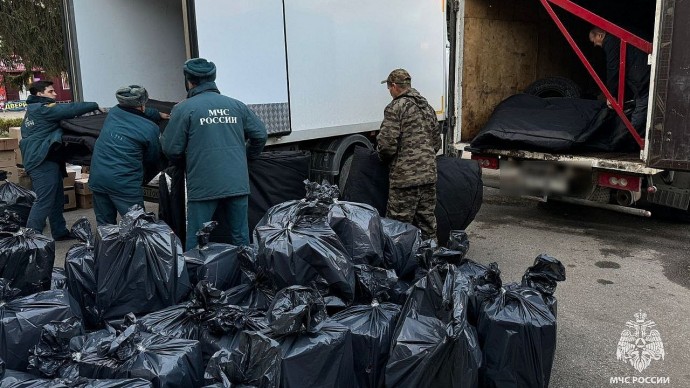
(132, 95)
(200, 68)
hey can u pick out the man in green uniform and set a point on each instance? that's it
(126, 154)
(409, 139)
(41, 147)
(213, 135)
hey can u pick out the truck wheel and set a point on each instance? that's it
(345, 172)
(554, 87)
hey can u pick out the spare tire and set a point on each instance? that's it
(554, 87)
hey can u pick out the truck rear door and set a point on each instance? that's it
(668, 143)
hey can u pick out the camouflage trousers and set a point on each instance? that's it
(414, 205)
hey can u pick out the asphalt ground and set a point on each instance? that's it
(616, 266)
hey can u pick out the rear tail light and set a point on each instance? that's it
(490, 162)
(619, 181)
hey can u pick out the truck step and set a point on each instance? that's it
(670, 196)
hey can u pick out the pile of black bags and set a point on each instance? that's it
(330, 295)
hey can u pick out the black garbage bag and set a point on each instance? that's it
(357, 225)
(399, 291)
(15, 198)
(9, 221)
(359, 228)
(32, 382)
(306, 251)
(371, 324)
(434, 345)
(162, 360)
(517, 332)
(12, 378)
(214, 262)
(224, 329)
(140, 267)
(402, 241)
(255, 362)
(53, 357)
(58, 279)
(257, 289)
(316, 201)
(430, 253)
(315, 351)
(186, 320)
(23, 318)
(207, 318)
(26, 260)
(480, 282)
(542, 276)
(80, 270)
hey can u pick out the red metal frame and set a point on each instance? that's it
(625, 37)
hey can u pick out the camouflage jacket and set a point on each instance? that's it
(409, 138)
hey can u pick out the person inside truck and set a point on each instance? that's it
(409, 140)
(42, 153)
(125, 156)
(213, 136)
(636, 74)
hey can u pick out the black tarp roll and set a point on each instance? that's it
(171, 200)
(563, 125)
(459, 189)
(274, 177)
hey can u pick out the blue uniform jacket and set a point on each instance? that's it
(41, 126)
(209, 132)
(127, 145)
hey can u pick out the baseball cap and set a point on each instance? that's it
(398, 76)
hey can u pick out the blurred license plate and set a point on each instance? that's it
(534, 177)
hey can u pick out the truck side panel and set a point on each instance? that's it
(246, 41)
(121, 43)
(669, 136)
(339, 51)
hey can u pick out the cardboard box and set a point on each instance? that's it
(16, 133)
(8, 143)
(70, 198)
(151, 194)
(70, 180)
(24, 179)
(82, 186)
(85, 201)
(8, 158)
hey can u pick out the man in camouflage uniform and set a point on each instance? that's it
(409, 139)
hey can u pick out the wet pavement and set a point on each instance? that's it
(616, 266)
